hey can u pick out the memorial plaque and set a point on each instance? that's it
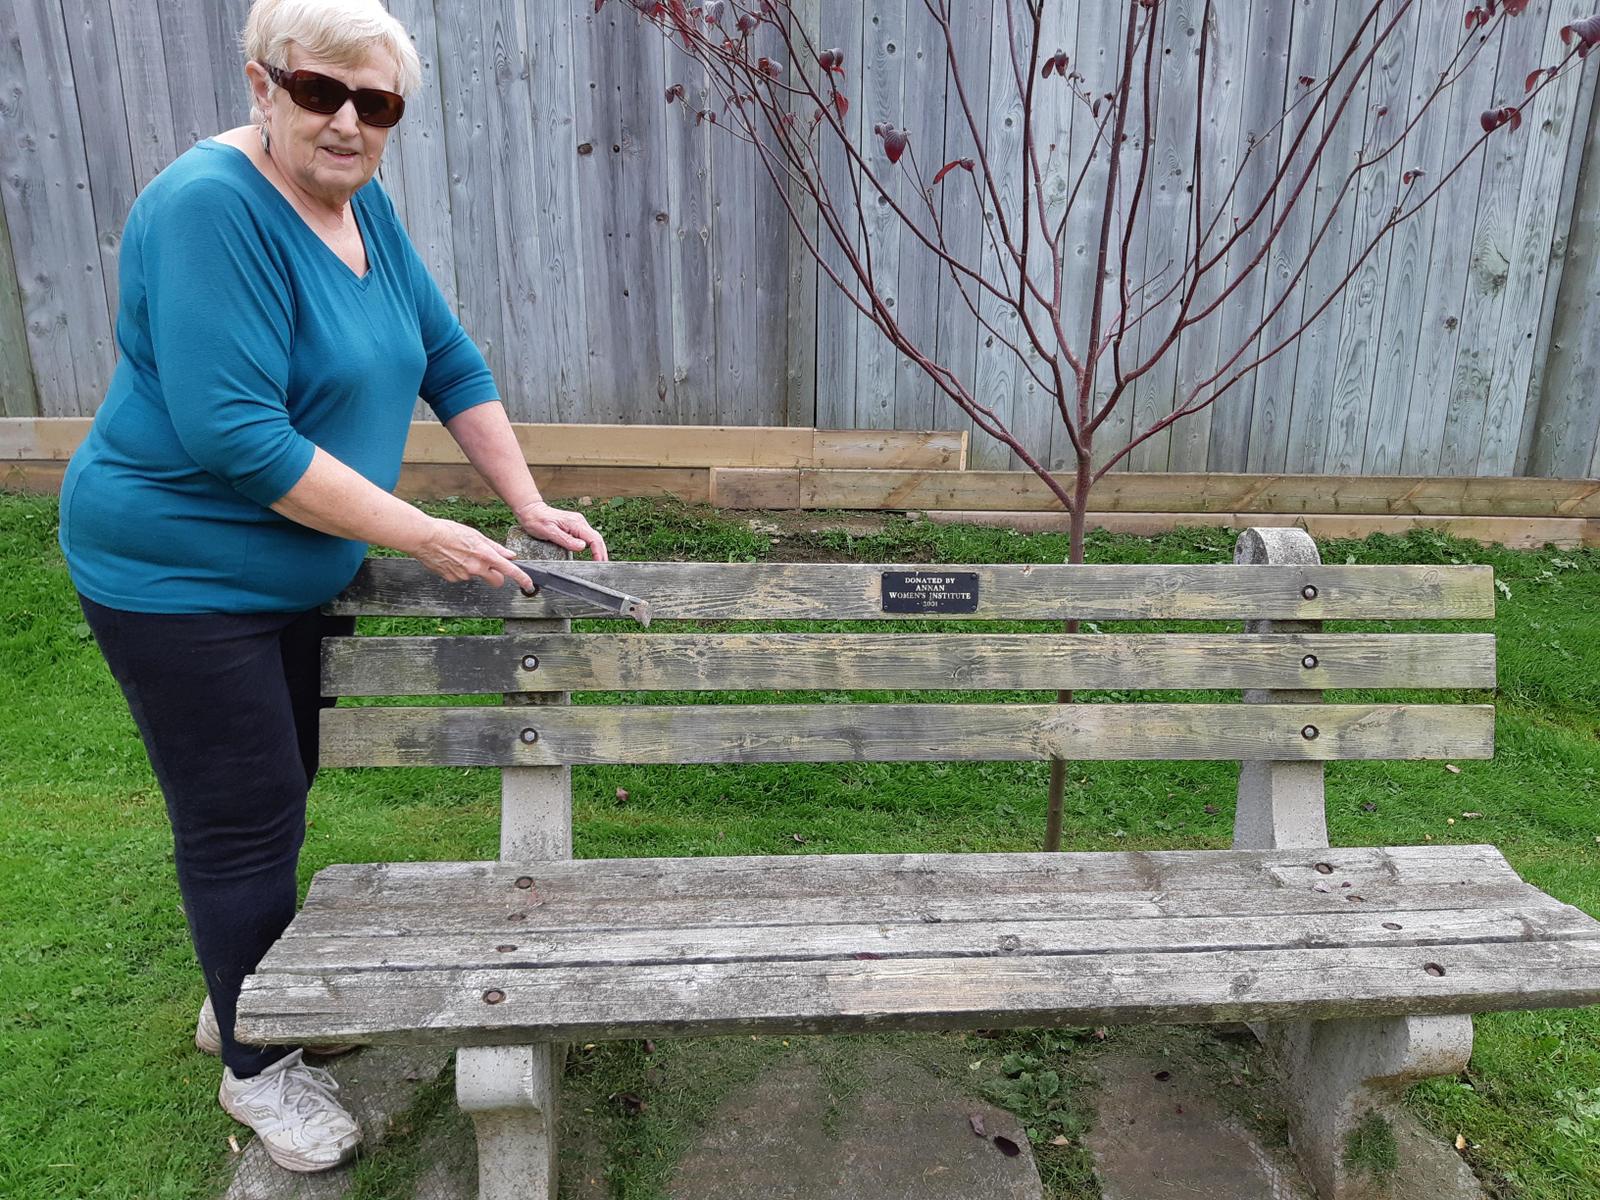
(930, 591)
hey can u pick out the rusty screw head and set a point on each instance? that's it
(530, 662)
(493, 996)
(525, 883)
(1433, 969)
(1390, 925)
(529, 736)
(1310, 732)
(1309, 591)
(1309, 662)
(1324, 869)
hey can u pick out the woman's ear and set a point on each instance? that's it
(260, 87)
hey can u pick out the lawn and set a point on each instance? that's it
(103, 1094)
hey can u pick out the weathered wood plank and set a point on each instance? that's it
(438, 480)
(467, 85)
(1167, 492)
(702, 446)
(935, 993)
(854, 591)
(977, 880)
(1359, 925)
(395, 666)
(690, 208)
(803, 278)
(18, 395)
(401, 918)
(145, 89)
(477, 737)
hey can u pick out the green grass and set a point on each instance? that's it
(103, 1095)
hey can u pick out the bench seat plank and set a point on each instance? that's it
(482, 664)
(598, 1003)
(1192, 936)
(773, 733)
(764, 591)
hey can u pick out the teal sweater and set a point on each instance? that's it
(245, 343)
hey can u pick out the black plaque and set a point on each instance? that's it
(930, 591)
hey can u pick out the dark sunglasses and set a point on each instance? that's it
(322, 94)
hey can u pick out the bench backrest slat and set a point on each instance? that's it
(1048, 592)
(529, 736)
(394, 666)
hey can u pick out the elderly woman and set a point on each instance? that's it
(276, 326)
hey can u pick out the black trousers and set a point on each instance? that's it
(227, 704)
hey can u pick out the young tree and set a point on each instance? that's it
(1087, 337)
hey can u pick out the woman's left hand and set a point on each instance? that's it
(561, 527)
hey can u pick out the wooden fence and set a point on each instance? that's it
(619, 264)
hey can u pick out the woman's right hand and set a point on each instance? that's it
(458, 552)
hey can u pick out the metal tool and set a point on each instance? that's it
(610, 601)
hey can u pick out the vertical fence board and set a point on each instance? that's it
(18, 395)
(800, 353)
(837, 315)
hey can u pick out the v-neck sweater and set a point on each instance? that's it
(244, 343)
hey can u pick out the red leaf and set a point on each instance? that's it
(1049, 65)
(1412, 176)
(747, 23)
(1515, 119)
(1489, 118)
(894, 143)
(1381, 111)
(599, 4)
(1586, 32)
(769, 68)
(675, 92)
(713, 11)
(1307, 80)
(1514, 8)
(1531, 80)
(1006, 1146)
(966, 164)
(825, 60)
(841, 102)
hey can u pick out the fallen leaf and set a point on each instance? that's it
(1368, 806)
(649, 1046)
(1211, 810)
(1178, 1109)
(622, 795)
(1006, 1146)
(1100, 1033)
(629, 1103)
(801, 838)
(1163, 1076)
(976, 1121)
(1452, 768)
(1461, 1141)
(233, 1143)
(1449, 820)
(1060, 1140)
(1472, 816)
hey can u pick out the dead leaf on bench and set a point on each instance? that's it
(976, 1121)
(1006, 1146)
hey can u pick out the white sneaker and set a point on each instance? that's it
(295, 1111)
(208, 1036)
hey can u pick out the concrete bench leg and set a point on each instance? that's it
(510, 1093)
(1339, 1075)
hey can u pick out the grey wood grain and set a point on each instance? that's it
(465, 67)
(400, 918)
(50, 212)
(97, 89)
(476, 737)
(18, 395)
(1407, 876)
(393, 666)
(690, 209)
(840, 27)
(931, 993)
(1493, 245)
(853, 591)
(1358, 925)
(146, 90)
(1276, 382)
(800, 322)
(1372, 203)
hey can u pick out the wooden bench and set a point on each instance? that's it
(1356, 965)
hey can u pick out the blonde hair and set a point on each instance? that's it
(339, 31)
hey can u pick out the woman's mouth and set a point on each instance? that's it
(342, 156)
